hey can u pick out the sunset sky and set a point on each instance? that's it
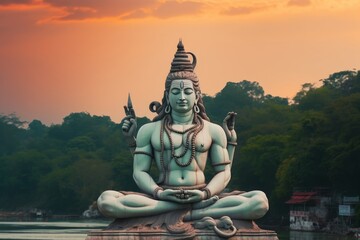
(63, 56)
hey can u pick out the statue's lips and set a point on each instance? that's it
(182, 104)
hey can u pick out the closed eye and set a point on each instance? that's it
(188, 91)
(175, 91)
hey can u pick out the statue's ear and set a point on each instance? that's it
(197, 96)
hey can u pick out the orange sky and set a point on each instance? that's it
(63, 56)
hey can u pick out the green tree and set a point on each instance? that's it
(73, 188)
(11, 134)
(37, 128)
(259, 161)
(19, 177)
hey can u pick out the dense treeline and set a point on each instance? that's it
(312, 142)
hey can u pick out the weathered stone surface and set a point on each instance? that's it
(158, 234)
(116, 231)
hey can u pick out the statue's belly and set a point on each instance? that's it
(185, 178)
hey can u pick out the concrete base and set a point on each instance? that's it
(246, 230)
(171, 226)
(162, 234)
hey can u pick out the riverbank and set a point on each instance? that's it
(76, 230)
(35, 214)
(46, 230)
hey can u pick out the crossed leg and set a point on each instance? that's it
(249, 205)
(117, 205)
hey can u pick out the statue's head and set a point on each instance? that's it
(181, 80)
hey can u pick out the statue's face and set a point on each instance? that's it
(182, 96)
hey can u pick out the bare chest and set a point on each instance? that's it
(180, 137)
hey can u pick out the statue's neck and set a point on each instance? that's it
(182, 118)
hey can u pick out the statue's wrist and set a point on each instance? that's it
(204, 195)
(156, 192)
(207, 193)
(232, 143)
(131, 141)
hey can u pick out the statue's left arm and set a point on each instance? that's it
(228, 126)
(220, 161)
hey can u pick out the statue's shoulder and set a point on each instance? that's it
(149, 127)
(217, 133)
(146, 131)
(213, 127)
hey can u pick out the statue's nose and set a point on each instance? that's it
(182, 96)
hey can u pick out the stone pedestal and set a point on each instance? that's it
(246, 230)
(161, 235)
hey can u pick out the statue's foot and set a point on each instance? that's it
(200, 205)
(205, 203)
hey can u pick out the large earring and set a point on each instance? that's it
(196, 108)
(167, 109)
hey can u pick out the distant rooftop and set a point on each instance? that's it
(301, 197)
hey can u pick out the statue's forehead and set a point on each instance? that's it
(181, 83)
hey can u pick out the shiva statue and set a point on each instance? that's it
(181, 140)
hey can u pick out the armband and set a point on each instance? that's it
(208, 193)
(219, 164)
(144, 153)
(155, 192)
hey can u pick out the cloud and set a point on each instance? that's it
(13, 2)
(83, 10)
(245, 10)
(80, 10)
(300, 3)
(174, 8)
(90, 9)
(141, 13)
(123, 9)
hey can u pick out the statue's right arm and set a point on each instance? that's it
(143, 158)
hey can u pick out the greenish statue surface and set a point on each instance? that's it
(181, 140)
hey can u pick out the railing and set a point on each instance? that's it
(299, 213)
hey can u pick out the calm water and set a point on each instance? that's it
(76, 230)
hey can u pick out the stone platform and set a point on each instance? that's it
(197, 235)
(246, 230)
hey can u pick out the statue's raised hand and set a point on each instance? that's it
(129, 126)
(229, 125)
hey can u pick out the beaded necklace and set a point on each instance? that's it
(194, 130)
(167, 128)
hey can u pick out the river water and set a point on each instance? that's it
(76, 230)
